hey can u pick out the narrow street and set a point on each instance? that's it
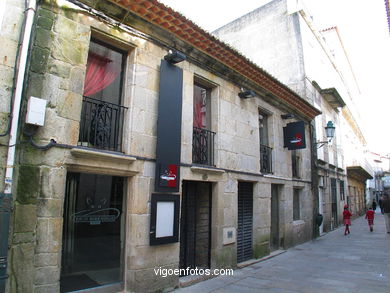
(356, 263)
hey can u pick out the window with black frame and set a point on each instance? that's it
(203, 137)
(102, 113)
(296, 204)
(265, 149)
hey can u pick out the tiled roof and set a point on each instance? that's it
(178, 25)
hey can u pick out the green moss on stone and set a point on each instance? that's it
(39, 59)
(28, 184)
(44, 22)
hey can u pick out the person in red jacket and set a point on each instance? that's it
(347, 219)
(370, 214)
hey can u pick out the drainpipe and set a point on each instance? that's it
(6, 197)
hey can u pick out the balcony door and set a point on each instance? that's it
(102, 114)
(203, 137)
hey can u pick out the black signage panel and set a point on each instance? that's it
(169, 128)
(294, 135)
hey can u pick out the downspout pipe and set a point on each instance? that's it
(6, 196)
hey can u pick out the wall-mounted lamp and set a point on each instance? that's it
(174, 57)
(329, 130)
(246, 94)
(287, 116)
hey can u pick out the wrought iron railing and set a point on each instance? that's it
(265, 159)
(101, 125)
(203, 146)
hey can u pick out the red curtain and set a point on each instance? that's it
(101, 72)
(199, 107)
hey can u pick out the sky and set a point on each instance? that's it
(365, 34)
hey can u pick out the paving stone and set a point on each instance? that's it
(332, 263)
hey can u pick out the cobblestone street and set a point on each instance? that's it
(356, 263)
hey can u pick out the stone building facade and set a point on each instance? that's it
(282, 37)
(85, 185)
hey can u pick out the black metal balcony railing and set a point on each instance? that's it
(265, 159)
(101, 125)
(203, 146)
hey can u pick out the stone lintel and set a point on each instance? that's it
(207, 170)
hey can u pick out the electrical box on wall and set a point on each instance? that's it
(229, 235)
(36, 109)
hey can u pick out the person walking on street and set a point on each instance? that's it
(386, 210)
(347, 219)
(374, 205)
(370, 214)
(381, 204)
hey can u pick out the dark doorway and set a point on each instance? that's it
(195, 225)
(275, 239)
(92, 231)
(245, 221)
(333, 190)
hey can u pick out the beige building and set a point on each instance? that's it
(282, 37)
(88, 209)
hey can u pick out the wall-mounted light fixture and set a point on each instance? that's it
(287, 116)
(174, 57)
(246, 94)
(329, 130)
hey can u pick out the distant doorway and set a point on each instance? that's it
(274, 235)
(195, 225)
(333, 190)
(245, 221)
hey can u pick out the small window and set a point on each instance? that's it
(295, 163)
(265, 149)
(342, 192)
(296, 204)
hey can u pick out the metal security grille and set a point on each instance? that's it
(245, 221)
(195, 226)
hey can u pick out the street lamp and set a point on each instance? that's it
(329, 130)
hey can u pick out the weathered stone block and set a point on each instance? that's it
(147, 281)
(65, 27)
(25, 218)
(71, 106)
(49, 232)
(27, 237)
(47, 275)
(47, 288)
(22, 267)
(28, 184)
(49, 207)
(69, 51)
(77, 76)
(59, 68)
(45, 22)
(46, 13)
(53, 182)
(39, 59)
(46, 259)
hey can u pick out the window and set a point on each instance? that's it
(342, 192)
(296, 204)
(265, 150)
(203, 137)
(102, 113)
(295, 163)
